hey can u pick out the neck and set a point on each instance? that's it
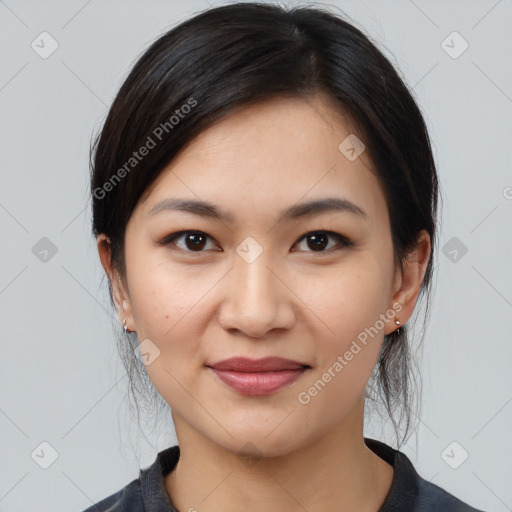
(335, 472)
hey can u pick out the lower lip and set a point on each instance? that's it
(258, 383)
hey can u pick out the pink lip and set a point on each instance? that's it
(258, 377)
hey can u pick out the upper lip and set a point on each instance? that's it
(267, 364)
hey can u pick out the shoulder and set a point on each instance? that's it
(146, 493)
(432, 497)
(127, 499)
(409, 491)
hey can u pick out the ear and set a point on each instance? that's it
(119, 291)
(408, 282)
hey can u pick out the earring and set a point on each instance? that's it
(397, 322)
(125, 327)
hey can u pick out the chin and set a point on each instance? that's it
(258, 442)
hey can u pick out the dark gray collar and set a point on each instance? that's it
(405, 488)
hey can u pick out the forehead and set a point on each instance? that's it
(269, 155)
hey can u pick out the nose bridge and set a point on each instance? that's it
(255, 300)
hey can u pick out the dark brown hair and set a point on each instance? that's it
(240, 54)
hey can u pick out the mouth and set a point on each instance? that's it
(255, 377)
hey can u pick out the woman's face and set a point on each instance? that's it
(252, 285)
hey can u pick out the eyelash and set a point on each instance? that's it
(343, 241)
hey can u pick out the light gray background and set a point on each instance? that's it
(61, 382)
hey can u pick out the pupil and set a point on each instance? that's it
(319, 241)
(197, 243)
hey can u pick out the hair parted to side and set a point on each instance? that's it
(236, 55)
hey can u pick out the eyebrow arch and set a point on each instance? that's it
(308, 209)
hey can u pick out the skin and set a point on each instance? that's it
(291, 301)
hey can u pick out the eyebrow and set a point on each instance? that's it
(308, 209)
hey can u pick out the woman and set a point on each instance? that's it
(265, 202)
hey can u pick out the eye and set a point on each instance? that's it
(318, 240)
(196, 241)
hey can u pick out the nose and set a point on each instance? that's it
(256, 299)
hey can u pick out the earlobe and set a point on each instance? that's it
(119, 295)
(411, 278)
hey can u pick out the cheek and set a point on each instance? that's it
(345, 301)
(166, 308)
(164, 298)
(348, 337)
